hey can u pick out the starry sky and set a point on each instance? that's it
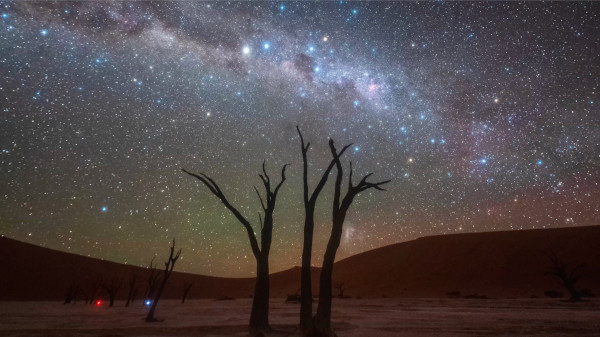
(484, 115)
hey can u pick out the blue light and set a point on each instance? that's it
(266, 45)
(282, 7)
(104, 208)
(317, 69)
(540, 162)
(483, 161)
(148, 302)
(356, 103)
(98, 60)
(43, 32)
(4, 15)
(356, 149)
(355, 11)
(432, 141)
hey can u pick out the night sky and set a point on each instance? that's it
(484, 115)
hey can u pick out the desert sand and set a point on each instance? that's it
(351, 318)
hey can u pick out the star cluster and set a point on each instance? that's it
(484, 115)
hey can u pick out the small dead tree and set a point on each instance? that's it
(152, 282)
(566, 275)
(91, 291)
(71, 294)
(186, 290)
(169, 265)
(322, 320)
(310, 202)
(341, 288)
(132, 289)
(259, 315)
(112, 289)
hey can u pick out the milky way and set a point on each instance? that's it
(484, 115)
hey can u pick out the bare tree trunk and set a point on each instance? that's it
(259, 315)
(567, 276)
(169, 265)
(322, 320)
(186, 290)
(306, 299)
(72, 292)
(132, 289)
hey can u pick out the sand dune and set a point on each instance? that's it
(494, 264)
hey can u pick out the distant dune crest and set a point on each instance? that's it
(493, 264)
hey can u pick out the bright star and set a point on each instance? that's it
(43, 32)
(266, 45)
(246, 50)
(104, 208)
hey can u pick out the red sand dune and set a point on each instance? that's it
(494, 264)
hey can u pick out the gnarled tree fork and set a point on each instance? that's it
(310, 201)
(322, 320)
(169, 265)
(259, 316)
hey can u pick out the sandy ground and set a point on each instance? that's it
(351, 318)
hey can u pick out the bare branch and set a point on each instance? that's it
(282, 179)
(262, 204)
(214, 188)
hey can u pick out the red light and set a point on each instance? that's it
(98, 302)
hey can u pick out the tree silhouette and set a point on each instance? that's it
(169, 265)
(91, 291)
(72, 292)
(112, 289)
(310, 201)
(186, 290)
(132, 289)
(341, 288)
(153, 278)
(259, 316)
(567, 276)
(322, 320)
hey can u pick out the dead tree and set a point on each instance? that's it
(310, 201)
(71, 294)
(91, 292)
(132, 289)
(322, 320)
(153, 278)
(169, 265)
(186, 290)
(112, 289)
(566, 275)
(341, 288)
(259, 316)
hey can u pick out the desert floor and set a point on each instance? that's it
(351, 317)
